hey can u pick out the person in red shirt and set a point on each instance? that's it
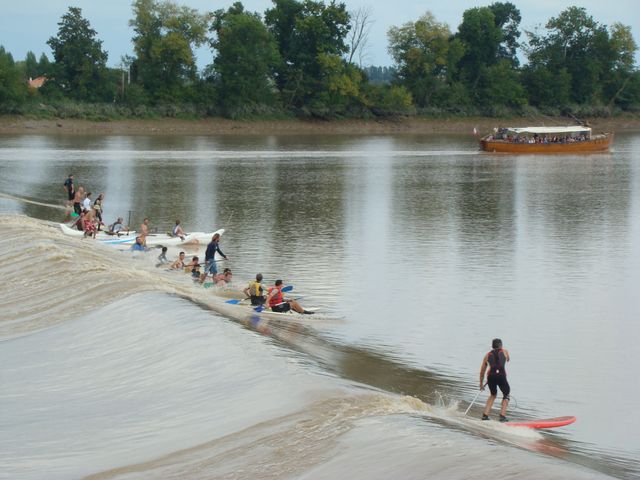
(277, 303)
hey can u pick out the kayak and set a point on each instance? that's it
(128, 237)
(152, 239)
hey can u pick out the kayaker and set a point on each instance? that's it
(179, 263)
(496, 360)
(177, 231)
(277, 303)
(255, 291)
(209, 258)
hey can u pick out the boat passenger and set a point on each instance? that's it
(277, 303)
(116, 228)
(179, 263)
(178, 231)
(255, 291)
(209, 258)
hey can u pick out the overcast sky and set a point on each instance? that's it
(27, 24)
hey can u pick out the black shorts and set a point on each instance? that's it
(257, 301)
(496, 381)
(283, 307)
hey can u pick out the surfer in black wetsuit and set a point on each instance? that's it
(496, 360)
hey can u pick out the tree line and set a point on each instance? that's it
(299, 58)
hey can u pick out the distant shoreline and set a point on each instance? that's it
(11, 125)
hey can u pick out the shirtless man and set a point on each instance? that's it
(179, 263)
(144, 231)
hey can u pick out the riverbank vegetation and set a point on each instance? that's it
(301, 59)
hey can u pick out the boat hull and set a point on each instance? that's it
(598, 144)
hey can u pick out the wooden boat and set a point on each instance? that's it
(569, 139)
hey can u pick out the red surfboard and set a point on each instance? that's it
(543, 423)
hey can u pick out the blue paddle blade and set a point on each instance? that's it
(288, 288)
(234, 301)
(259, 308)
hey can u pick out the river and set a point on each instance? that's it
(415, 252)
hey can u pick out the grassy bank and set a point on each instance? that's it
(221, 126)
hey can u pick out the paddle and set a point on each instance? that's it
(474, 400)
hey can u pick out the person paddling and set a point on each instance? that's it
(255, 292)
(277, 303)
(209, 258)
(496, 360)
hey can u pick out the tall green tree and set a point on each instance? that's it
(247, 56)
(80, 70)
(165, 36)
(425, 56)
(507, 18)
(306, 32)
(13, 89)
(621, 87)
(489, 39)
(574, 42)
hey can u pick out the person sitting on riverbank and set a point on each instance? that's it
(277, 303)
